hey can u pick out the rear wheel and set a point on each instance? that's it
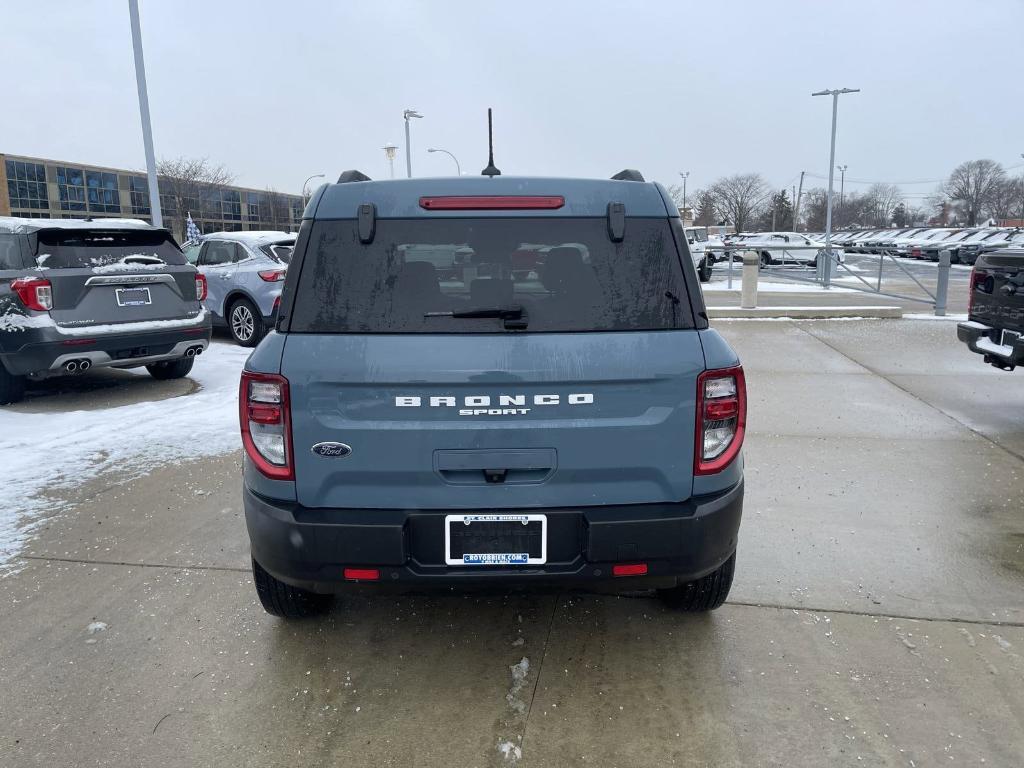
(286, 601)
(704, 594)
(245, 323)
(766, 259)
(12, 388)
(171, 369)
(704, 271)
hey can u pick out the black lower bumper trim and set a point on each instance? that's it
(310, 548)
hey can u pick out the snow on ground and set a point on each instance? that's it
(62, 450)
(769, 286)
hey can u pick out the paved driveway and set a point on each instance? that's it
(877, 617)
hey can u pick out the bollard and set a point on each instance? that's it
(748, 289)
(942, 284)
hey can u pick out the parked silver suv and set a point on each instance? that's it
(245, 273)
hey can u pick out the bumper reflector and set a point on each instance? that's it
(629, 569)
(362, 574)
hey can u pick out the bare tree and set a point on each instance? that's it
(675, 191)
(739, 197)
(1006, 198)
(972, 184)
(184, 183)
(880, 202)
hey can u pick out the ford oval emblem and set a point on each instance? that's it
(333, 450)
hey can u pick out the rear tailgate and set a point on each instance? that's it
(570, 419)
(998, 290)
(116, 276)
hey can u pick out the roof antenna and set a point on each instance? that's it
(490, 170)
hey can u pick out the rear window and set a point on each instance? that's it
(10, 252)
(75, 248)
(281, 252)
(565, 275)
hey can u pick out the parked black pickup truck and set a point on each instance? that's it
(995, 312)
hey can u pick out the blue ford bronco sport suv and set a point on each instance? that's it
(502, 381)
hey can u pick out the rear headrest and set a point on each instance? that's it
(564, 267)
(418, 279)
(490, 292)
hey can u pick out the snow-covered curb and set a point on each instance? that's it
(62, 450)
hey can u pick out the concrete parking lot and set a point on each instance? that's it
(877, 617)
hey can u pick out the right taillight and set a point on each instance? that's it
(977, 278)
(200, 286)
(264, 414)
(35, 293)
(721, 419)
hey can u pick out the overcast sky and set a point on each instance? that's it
(278, 90)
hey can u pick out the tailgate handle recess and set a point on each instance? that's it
(496, 467)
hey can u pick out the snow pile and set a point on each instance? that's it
(509, 751)
(66, 449)
(14, 322)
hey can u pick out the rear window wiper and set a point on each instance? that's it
(514, 316)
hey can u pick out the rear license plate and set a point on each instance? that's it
(1010, 338)
(133, 297)
(495, 539)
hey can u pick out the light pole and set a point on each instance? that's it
(147, 129)
(458, 168)
(842, 187)
(825, 270)
(685, 175)
(389, 152)
(306, 183)
(408, 150)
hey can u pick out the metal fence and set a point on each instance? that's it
(782, 258)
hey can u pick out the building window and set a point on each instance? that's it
(101, 189)
(71, 188)
(231, 205)
(26, 185)
(253, 199)
(140, 195)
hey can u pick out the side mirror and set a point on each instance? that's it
(690, 240)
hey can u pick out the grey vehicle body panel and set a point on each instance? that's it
(634, 444)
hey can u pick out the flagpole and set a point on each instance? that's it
(147, 129)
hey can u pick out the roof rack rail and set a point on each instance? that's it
(628, 175)
(347, 176)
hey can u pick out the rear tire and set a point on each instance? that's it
(286, 601)
(245, 323)
(765, 259)
(171, 369)
(704, 271)
(12, 387)
(705, 594)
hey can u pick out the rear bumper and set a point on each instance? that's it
(309, 548)
(46, 351)
(984, 340)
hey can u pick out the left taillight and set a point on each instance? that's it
(35, 293)
(265, 418)
(721, 419)
(273, 275)
(200, 286)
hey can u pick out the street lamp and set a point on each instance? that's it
(458, 169)
(306, 184)
(389, 152)
(685, 175)
(147, 128)
(409, 113)
(825, 270)
(842, 186)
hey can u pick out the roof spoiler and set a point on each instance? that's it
(349, 176)
(628, 175)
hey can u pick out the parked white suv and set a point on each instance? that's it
(697, 238)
